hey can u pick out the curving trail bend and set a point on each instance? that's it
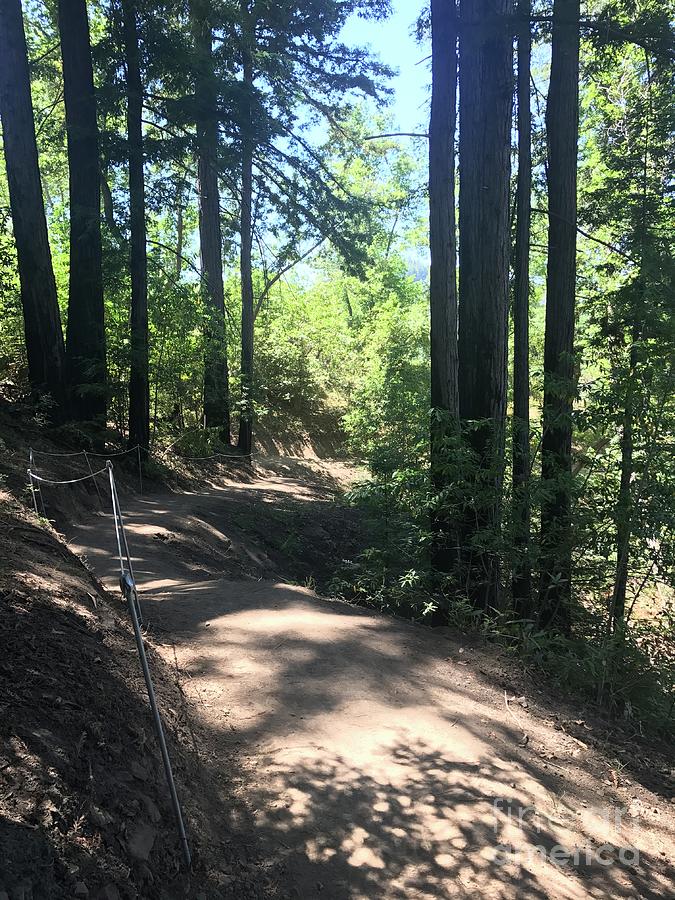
(375, 759)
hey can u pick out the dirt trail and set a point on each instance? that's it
(378, 759)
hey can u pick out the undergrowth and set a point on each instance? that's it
(629, 674)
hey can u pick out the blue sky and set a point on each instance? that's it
(393, 42)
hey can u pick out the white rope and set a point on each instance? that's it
(106, 455)
(119, 453)
(48, 453)
(218, 456)
(139, 447)
(69, 481)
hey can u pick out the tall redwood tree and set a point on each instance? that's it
(521, 583)
(443, 247)
(562, 129)
(245, 441)
(216, 375)
(139, 391)
(485, 105)
(42, 323)
(85, 344)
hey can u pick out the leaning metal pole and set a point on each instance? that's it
(128, 588)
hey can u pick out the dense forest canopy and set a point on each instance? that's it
(211, 225)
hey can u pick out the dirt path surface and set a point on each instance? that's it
(377, 759)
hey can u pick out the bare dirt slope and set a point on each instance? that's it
(377, 759)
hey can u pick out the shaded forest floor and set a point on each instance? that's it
(321, 750)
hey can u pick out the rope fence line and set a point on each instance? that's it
(33, 477)
(220, 456)
(37, 477)
(138, 448)
(35, 480)
(109, 455)
(127, 581)
(129, 592)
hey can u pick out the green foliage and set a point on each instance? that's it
(632, 674)
(389, 401)
(12, 352)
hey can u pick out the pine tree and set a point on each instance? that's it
(248, 27)
(280, 51)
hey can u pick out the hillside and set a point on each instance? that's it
(320, 750)
(84, 808)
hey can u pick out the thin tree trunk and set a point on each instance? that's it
(180, 231)
(109, 209)
(216, 376)
(625, 499)
(522, 576)
(245, 442)
(139, 389)
(443, 272)
(485, 106)
(624, 504)
(562, 128)
(85, 345)
(42, 322)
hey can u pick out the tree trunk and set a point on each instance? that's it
(180, 230)
(85, 346)
(216, 377)
(624, 506)
(625, 501)
(443, 272)
(42, 322)
(485, 105)
(562, 128)
(522, 576)
(245, 442)
(139, 390)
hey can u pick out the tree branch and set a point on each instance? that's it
(280, 274)
(413, 134)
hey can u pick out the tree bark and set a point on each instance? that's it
(562, 128)
(522, 576)
(216, 376)
(42, 323)
(485, 106)
(139, 391)
(85, 345)
(443, 270)
(245, 441)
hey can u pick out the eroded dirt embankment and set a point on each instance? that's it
(84, 808)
